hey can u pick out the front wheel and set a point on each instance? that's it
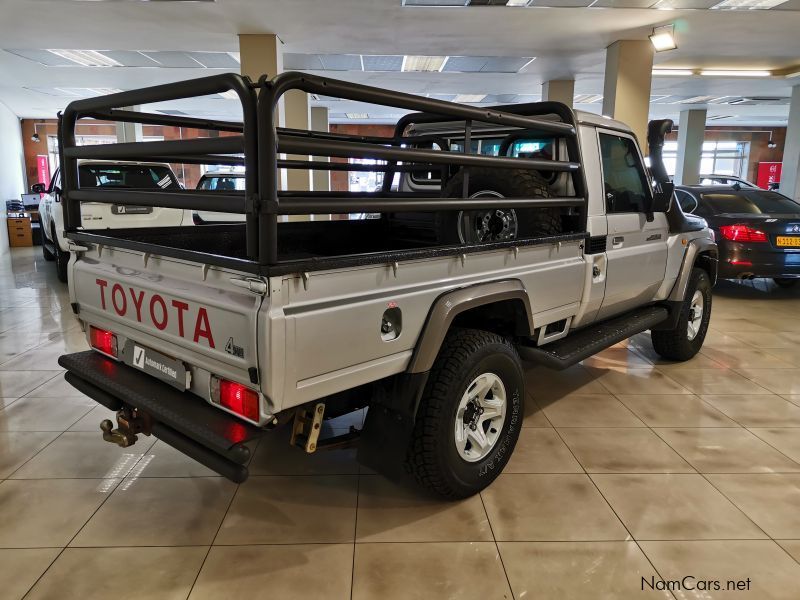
(62, 261)
(470, 416)
(686, 339)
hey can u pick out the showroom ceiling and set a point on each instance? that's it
(481, 51)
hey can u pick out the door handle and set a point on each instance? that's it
(617, 241)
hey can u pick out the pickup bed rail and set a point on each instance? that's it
(256, 144)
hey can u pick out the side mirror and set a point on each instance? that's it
(39, 188)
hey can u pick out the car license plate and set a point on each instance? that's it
(788, 241)
(156, 364)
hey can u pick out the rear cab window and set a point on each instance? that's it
(127, 176)
(222, 183)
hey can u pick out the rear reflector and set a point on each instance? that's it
(103, 340)
(741, 263)
(238, 398)
(742, 233)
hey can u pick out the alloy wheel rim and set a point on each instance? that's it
(695, 315)
(480, 417)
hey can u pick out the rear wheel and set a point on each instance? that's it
(470, 416)
(785, 282)
(686, 339)
(498, 224)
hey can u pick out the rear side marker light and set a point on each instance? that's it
(236, 397)
(742, 233)
(103, 340)
(741, 263)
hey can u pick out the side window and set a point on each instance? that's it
(687, 201)
(626, 187)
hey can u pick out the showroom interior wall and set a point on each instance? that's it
(12, 174)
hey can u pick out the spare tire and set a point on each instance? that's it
(498, 224)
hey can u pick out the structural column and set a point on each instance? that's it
(321, 180)
(691, 133)
(129, 132)
(626, 92)
(790, 171)
(559, 90)
(261, 54)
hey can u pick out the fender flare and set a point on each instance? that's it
(450, 304)
(695, 248)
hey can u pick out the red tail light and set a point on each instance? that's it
(238, 398)
(103, 340)
(742, 233)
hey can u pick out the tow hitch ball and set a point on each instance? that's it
(130, 422)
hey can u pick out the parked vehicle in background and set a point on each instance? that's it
(97, 215)
(219, 182)
(758, 231)
(551, 257)
(730, 180)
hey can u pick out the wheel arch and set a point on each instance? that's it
(700, 252)
(500, 306)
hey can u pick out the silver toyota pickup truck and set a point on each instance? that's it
(524, 232)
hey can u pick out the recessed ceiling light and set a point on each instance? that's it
(696, 100)
(673, 72)
(747, 4)
(357, 115)
(728, 73)
(466, 98)
(423, 63)
(87, 58)
(663, 38)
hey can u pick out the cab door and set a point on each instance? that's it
(636, 248)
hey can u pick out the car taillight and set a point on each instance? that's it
(236, 397)
(103, 340)
(742, 233)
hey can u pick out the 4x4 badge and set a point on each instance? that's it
(233, 349)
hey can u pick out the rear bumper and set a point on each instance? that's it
(181, 419)
(749, 260)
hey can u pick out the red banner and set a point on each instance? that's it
(768, 172)
(43, 169)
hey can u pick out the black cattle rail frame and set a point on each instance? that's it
(256, 144)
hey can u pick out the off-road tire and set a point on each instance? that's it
(674, 344)
(785, 282)
(48, 256)
(509, 183)
(62, 261)
(432, 457)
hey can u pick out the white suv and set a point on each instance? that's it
(95, 215)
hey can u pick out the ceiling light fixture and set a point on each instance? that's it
(730, 73)
(673, 72)
(518, 2)
(747, 4)
(357, 115)
(423, 63)
(663, 38)
(229, 95)
(87, 58)
(467, 98)
(587, 98)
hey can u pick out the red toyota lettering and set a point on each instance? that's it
(202, 328)
(137, 302)
(118, 291)
(160, 324)
(102, 283)
(181, 306)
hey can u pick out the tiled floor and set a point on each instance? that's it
(628, 468)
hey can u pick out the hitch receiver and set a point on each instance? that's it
(130, 422)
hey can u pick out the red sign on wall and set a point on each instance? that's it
(768, 172)
(43, 169)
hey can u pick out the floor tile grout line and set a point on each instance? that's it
(496, 545)
(99, 506)
(594, 483)
(710, 483)
(355, 536)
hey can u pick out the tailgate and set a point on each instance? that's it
(182, 310)
(97, 215)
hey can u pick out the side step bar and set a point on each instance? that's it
(586, 342)
(187, 423)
